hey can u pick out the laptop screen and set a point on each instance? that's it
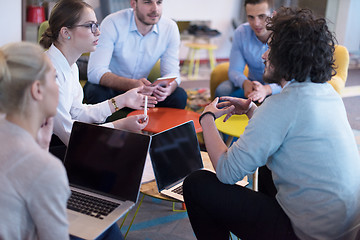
(106, 160)
(175, 153)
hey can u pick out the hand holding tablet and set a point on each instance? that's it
(164, 81)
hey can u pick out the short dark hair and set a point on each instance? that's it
(301, 46)
(269, 2)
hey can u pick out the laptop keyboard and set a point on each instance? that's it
(178, 190)
(90, 205)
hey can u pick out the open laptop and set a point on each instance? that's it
(175, 153)
(106, 164)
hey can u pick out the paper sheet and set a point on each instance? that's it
(148, 174)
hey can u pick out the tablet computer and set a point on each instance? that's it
(164, 81)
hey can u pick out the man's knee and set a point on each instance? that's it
(95, 93)
(176, 100)
(197, 180)
(224, 89)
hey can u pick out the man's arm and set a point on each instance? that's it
(116, 82)
(237, 61)
(169, 63)
(99, 62)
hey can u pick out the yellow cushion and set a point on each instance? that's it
(341, 56)
(219, 75)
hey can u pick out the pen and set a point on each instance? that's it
(145, 106)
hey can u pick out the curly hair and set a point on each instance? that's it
(301, 46)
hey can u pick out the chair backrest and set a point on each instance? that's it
(42, 28)
(219, 75)
(341, 56)
(155, 72)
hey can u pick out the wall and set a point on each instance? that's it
(10, 17)
(220, 16)
(347, 26)
(219, 13)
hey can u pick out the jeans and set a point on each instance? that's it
(113, 233)
(227, 88)
(215, 209)
(95, 93)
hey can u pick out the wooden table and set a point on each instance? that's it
(163, 118)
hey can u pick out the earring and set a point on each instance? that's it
(68, 37)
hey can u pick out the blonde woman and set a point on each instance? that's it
(33, 184)
(73, 30)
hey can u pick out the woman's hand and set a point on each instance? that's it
(134, 99)
(45, 132)
(132, 123)
(240, 106)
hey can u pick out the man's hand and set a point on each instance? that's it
(135, 100)
(248, 87)
(45, 132)
(213, 107)
(240, 106)
(259, 92)
(148, 88)
(162, 92)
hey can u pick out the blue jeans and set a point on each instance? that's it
(95, 93)
(113, 233)
(227, 88)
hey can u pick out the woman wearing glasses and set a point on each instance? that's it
(73, 30)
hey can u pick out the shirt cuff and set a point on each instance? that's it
(109, 125)
(275, 89)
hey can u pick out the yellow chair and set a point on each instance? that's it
(219, 75)
(341, 55)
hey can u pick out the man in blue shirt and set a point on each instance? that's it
(249, 44)
(131, 42)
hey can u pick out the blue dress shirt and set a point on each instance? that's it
(124, 51)
(248, 49)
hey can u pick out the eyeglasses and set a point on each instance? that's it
(93, 26)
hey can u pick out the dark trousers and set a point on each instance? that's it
(95, 93)
(216, 209)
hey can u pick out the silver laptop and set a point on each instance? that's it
(104, 167)
(174, 154)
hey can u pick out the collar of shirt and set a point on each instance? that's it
(55, 53)
(133, 26)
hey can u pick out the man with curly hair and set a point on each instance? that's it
(301, 136)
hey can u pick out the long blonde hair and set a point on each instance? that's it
(21, 64)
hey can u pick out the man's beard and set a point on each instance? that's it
(142, 18)
(270, 76)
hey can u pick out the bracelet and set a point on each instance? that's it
(206, 113)
(114, 103)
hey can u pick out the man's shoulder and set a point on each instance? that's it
(121, 15)
(244, 28)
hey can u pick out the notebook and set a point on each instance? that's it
(175, 153)
(107, 164)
